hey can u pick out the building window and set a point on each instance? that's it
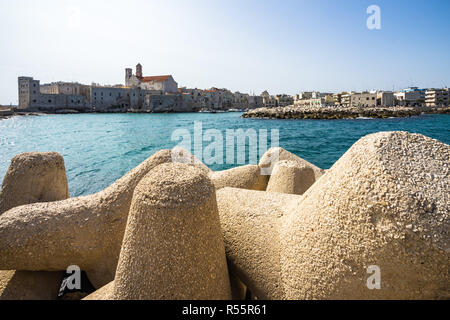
(49, 101)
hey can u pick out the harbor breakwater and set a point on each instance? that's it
(178, 230)
(292, 112)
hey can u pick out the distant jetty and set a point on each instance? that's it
(293, 112)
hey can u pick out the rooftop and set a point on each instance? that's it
(155, 78)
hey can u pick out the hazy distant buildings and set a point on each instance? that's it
(283, 100)
(140, 93)
(161, 94)
(410, 96)
(31, 96)
(385, 98)
(437, 97)
(164, 83)
(268, 100)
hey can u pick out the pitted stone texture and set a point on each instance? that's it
(85, 231)
(30, 285)
(273, 155)
(251, 222)
(173, 248)
(291, 177)
(384, 203)
(245, 177)
(181, 155)
(34, 177)
(104, 293)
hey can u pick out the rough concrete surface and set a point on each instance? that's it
(245, 177)
(291, 177)
(173, 247)
(384, 203)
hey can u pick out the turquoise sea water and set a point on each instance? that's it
(100, 148)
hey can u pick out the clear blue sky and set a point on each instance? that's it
(282, 46)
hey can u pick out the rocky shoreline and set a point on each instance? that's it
(283, 229)
(292, 112)
(5, 114)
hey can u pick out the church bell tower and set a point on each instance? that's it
(139, 70)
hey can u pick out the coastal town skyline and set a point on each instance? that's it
(161, 94)
(247, 47)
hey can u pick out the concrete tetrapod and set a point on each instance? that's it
(85, 231)
(275, 154)
(173, 247)
(384, 207)
(104, 293)
(251, 222)
(291, 177)
(32, 177)
(244, 177)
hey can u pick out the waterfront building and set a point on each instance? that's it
(164, 83)
(363, 99)
(268, 100)
(255, 102)
(385, 98)
(31, 97)
(337, 98)
(346, 98)
(410, 96)
(284, 100)
(310, 102)
(314, 98)
(437, 97)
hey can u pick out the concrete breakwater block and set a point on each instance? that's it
(383, 206)
(85, 231)
(173, 247)
(245, 177)
(29, 285)
(104, 293)
(275, 154)
(291, 177)
(251, 224)
(34, 177)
